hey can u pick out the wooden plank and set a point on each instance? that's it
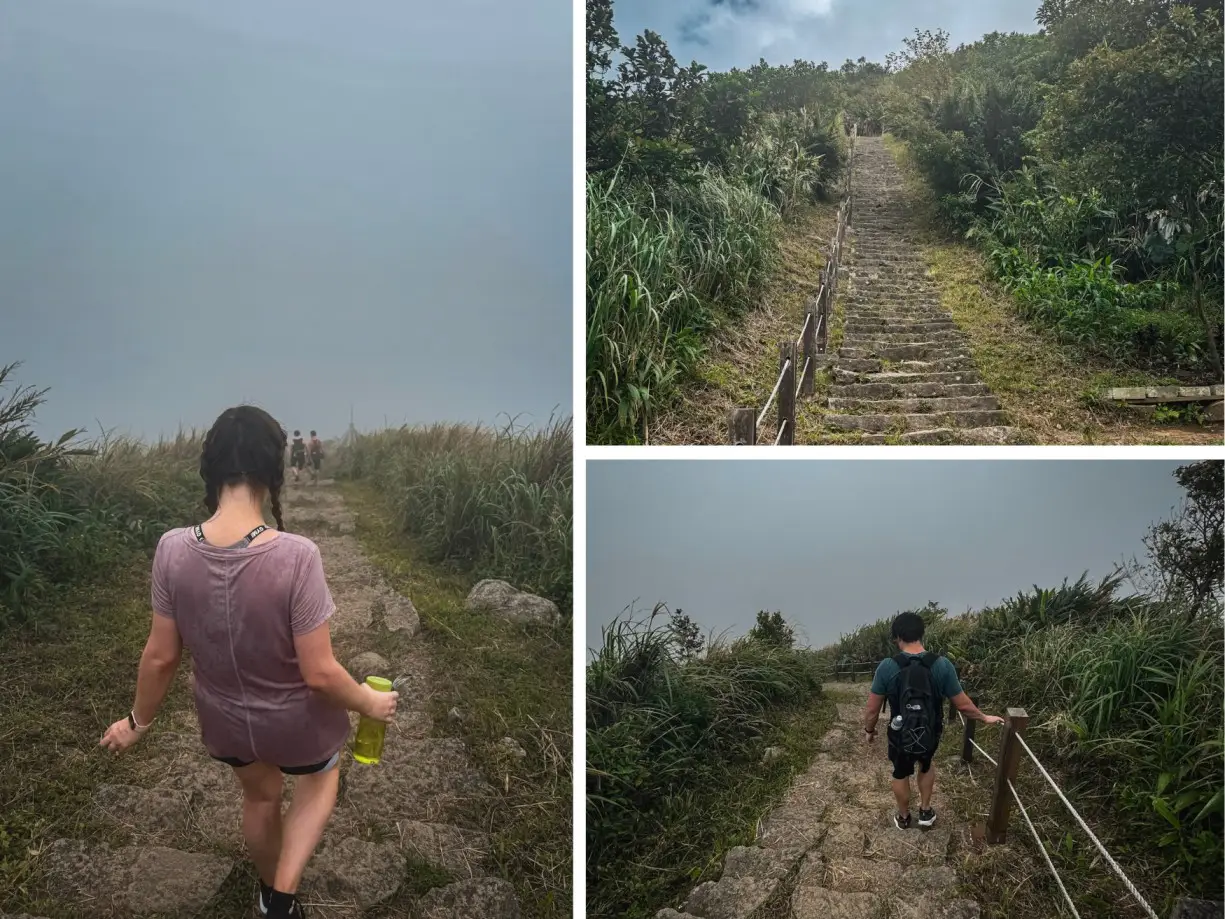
(1153, 395)
(1010, 757)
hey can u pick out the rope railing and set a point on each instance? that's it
(1011, 745)
(744, 423)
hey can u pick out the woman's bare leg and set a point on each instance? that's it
(314, 797)
(261, 816)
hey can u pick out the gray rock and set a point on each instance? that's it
(148, 811)
(673, 914)
(1215, 412)
(510, 748)
(730, 897)
(19, 916)
(355, 871)
(926, 847)
(794, 826)
(932, 908)
(456, 716)
(463, 853)
(368, 663)
(477, 898)
(772, 755)
(180, 883)
(510, 603)
(752, 861)
(1197, 909)
(819, 903)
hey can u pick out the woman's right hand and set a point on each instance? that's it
(381, 706)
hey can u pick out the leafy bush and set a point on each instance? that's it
(496, 502)
(666, 730)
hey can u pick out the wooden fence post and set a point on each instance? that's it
(1010, 757)
(808, 381)
(823, 312)
(742, 427)
(786, 393)
(967, 741)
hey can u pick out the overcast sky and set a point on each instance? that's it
(297, 202)
(737, 33)
(834, 544)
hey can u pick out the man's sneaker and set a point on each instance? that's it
(927, 817)
(265, 894)
(902, 823)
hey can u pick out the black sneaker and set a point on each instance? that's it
(265, 894)
(902, 823)
(284, 906)
(927, 817)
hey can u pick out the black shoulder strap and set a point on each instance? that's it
(199, 531)
(902, 660)
(929, 659)
(246, 540)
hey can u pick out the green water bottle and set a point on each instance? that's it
(368, 744)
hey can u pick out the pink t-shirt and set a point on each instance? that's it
(238, 611)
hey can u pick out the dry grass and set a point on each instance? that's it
(741, 365)
(1051, 392)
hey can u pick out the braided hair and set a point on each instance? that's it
(245, 445)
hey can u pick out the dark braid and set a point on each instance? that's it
(245, 445)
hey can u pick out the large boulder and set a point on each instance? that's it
(509, 602)
(477, 898)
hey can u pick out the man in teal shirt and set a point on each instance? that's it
(907, 632)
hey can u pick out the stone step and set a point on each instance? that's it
(353, 871)
(874, 337)
(925, 421)
(476, 898)
(916, 406)
(137, 880)
(865, 324)
(992, 436)
(901, 378)
(927, 352)
(907, 390)
(876, 365)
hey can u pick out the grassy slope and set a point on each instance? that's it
(741, 364)
(508, 681)
(1050, 391)
(713, 820)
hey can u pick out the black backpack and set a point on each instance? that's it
(916, 700)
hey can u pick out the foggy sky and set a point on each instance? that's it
(294, 202)
(835, 544)
(736, 33)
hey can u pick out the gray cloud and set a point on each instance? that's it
(736, 33)
(837, 543)
(303, 204)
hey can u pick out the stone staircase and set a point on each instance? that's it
(830, 849)
(903, 372)
(416, 808)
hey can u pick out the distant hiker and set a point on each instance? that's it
(916, 682)
(316, 454)
(297, 455)
(252, 606)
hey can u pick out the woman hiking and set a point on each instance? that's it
(297, 455)
(252, 605)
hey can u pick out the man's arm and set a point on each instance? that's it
(966, 706)
(871, 712)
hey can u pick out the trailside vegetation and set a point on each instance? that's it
(1124, 691)
(676, 728)
(690, 175)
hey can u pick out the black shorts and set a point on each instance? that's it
(287, 770)
(316, 461)
(298, 462)
(904, 763)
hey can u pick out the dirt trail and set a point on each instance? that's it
(830, 849)
(903, 372)
(418, 811)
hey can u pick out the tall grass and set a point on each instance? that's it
(1125, 696)
(69, 509)
(497, 502)
(668, 736)
(662, 265)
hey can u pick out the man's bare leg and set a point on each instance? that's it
(901, 794)
(927, 784)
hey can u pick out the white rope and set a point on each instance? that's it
(1045, 855)
(782, 427)
(774, 392)
(803, 374)
(975, 743)
(1084, 826)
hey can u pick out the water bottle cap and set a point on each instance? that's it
(382, 684)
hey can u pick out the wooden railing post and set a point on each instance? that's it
(742, 427)
(823, 311)
(808, 381)
(967, 741)
(1010, 757)
(786, 393)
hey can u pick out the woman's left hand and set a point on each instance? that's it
(119, 736)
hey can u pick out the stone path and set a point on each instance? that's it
(903, 372)
(830, 849)
(415, 808)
